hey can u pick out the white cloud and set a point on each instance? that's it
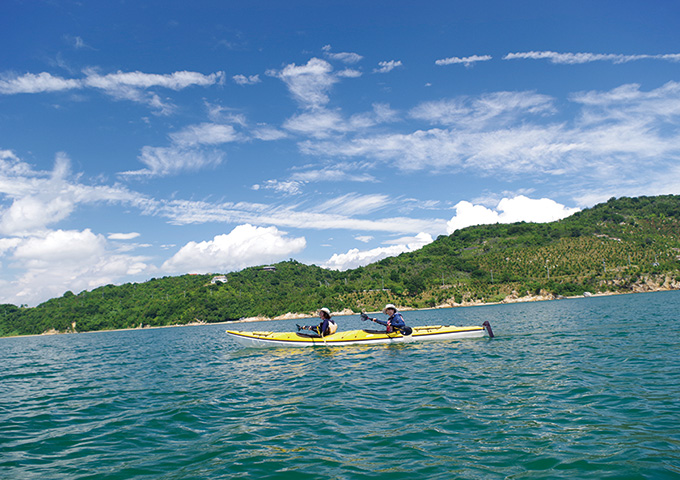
(60, 246)
(387, 66)
(7, 244)
(354, 203)
(323, 123)
(346, 172)
(187, 151)
(39, 199)
(576, 58)
(40, 83)
(290, 187)
(63, 260)
(529, 149)
(131, 86)
(364, 238)
(123, 236)
(356, 258)
(486, 110)
(309, 84)
(384, 113)
(318, 123)
(249, 80)
(467, 61)
(163, 161)
(349, 73)
(173, 81)
(346, 57)
(205, 134)
(504, 134)
(508, 210)
(185, 212)
(268, 134)
(246, 245)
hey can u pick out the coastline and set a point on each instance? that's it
(510, 299)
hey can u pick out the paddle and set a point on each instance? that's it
(487, 325)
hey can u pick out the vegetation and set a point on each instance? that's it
(622, 245)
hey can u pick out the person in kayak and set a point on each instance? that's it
(325, 328)
(395, 320)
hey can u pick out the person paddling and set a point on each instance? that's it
(326, 327)
(395, 320)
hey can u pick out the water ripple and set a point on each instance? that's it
(570, 389)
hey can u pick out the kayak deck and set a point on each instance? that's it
(355, 337)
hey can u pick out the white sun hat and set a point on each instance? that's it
(389, 305)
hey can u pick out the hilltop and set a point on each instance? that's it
(623, 245)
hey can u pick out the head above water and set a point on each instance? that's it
(389, 306)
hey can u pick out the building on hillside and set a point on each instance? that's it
(218, 279)
(269, 268)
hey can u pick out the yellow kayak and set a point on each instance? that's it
(358, 337)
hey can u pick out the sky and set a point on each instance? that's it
(143, 139)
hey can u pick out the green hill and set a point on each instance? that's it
(623, 245)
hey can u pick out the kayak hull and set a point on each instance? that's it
(354, 337)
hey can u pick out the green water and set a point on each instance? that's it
(583, 388)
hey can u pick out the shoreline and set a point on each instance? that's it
(349, 312)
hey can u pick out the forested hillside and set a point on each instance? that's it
(625, 244)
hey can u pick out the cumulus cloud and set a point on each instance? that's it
(309, 84)
(508, 210)
(49, 261)
(467, 61)
(576, 58)
(246, 245)
(387, 66)
(38, 199)
(32, 83)
(355, 258)
(62, 260)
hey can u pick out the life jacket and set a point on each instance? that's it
(332, 327)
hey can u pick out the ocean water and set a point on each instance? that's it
(580, 388)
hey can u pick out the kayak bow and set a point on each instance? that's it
(358, 337)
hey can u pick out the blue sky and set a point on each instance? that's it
(153, 138)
